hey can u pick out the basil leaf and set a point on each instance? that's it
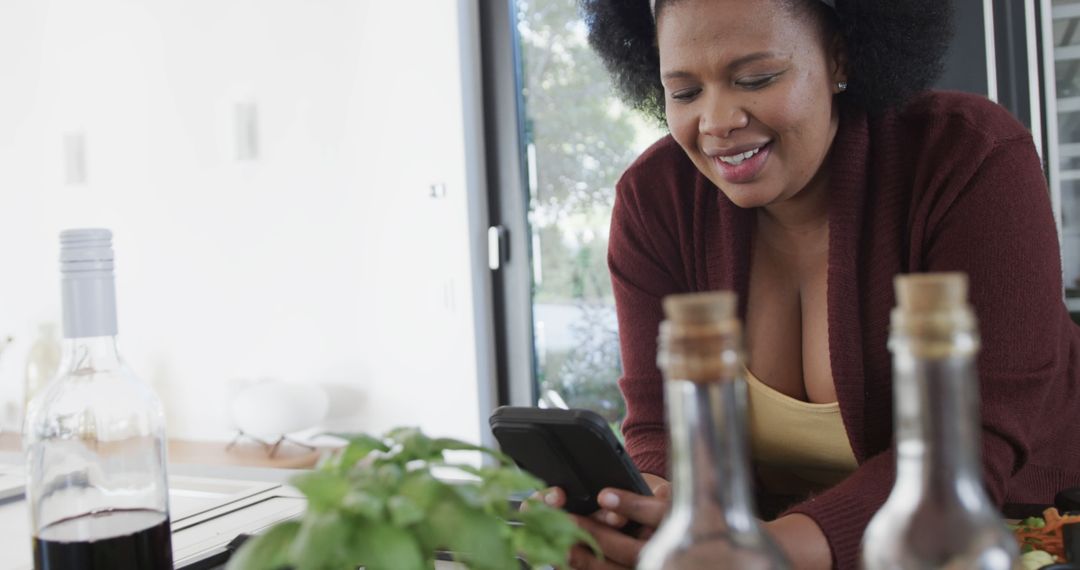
(267, 551)
(320, 542)
(554, 526)
(360, 445)
(537, 550)
(479, 540)
(385, 547)
(324, 489)
(422, 488)
(364, 504)
(403, 511)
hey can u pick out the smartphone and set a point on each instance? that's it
(571, 449)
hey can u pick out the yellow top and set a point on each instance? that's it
(798, 447)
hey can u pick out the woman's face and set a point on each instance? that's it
(749, 94)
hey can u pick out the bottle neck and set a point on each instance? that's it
(89, 304)
(84, 356)
(711, 482)
(937, 423)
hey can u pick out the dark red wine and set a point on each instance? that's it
(111, 540)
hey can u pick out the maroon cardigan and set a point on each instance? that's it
(950, 183)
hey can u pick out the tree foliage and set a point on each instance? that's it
(582, 134)
(582, 138)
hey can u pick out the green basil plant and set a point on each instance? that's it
(377, 504)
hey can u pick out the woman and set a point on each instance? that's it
(806, 168)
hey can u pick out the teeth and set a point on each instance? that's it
(737, 159)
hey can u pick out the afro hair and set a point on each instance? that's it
(895, 48)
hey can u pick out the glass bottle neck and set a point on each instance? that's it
(937, 424)
(89, 354)
(711, 481)
(89, 304)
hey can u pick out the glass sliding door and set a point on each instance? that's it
(578, 138)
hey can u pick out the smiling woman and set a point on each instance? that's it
(806, 167)
(749, 98)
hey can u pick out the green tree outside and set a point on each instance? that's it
(581, 138)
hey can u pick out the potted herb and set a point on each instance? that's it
(377, 503)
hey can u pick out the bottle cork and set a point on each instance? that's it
(700, 340)
(932, 315)
(700, 308)
(931, 292)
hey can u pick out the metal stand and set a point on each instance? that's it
(272, 448)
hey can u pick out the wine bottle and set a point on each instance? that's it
(711, 522)
(938, 515)
(95, 436)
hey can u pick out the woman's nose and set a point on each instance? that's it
(720, 119)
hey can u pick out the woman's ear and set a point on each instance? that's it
(838, 61)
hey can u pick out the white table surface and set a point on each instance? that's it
(191, 542)
(239, 499)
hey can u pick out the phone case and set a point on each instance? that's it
(571, 449)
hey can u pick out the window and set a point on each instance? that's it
(578, 139)
(1066, 54)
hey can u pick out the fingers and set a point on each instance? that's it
(654, 481)
(552, 496)
(645, 533)
(619, 549)
(612, 519)
(555, 497)
(648, 511)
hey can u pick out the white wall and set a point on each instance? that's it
(325, 261)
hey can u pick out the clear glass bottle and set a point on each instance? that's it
(711, 523)
(95, 436)
(938, 514)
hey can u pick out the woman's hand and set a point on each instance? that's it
(802, 540)
(617, 507)
(798, 535)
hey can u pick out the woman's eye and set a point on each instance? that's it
(757, 81)
(685, 94)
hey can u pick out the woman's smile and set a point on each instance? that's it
(739, 166)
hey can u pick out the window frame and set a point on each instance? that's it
(508, 203)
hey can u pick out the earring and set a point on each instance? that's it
(841, 86)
